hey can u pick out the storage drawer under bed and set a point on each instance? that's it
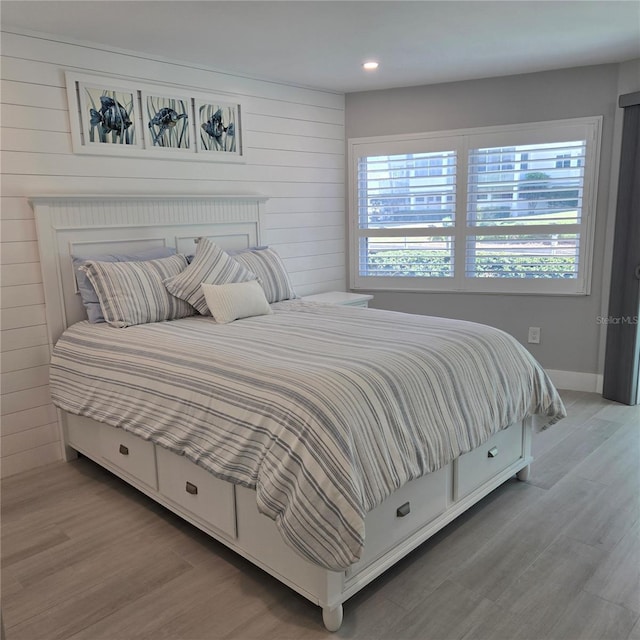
(133, 455)
(475, 468)
(408, 509)
(201, 494)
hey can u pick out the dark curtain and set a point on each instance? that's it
(622, 357)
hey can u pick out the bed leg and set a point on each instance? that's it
(332, 617)
(523, 474)
(68, 454)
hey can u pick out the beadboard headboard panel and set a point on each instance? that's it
(91, 225)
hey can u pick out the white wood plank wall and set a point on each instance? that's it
(295, 149)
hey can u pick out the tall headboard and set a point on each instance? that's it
(97, 224)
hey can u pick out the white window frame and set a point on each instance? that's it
(460, 141)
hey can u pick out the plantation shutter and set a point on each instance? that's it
(524, 209)
(407, 209)
(498, 209)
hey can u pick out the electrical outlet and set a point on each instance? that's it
(534, 335)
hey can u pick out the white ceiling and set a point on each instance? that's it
(323, 43)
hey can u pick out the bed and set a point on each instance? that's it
(322, 443)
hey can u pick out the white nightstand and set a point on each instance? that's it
(341, 297)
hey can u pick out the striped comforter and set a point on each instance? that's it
(324, 410)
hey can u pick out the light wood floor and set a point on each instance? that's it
(84, 556)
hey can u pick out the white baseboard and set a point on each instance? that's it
(576, 381)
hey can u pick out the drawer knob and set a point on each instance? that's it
(192, 489)
(404, 510)
(123, 450)
(493, 452)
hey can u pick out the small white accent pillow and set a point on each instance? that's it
(235, 300)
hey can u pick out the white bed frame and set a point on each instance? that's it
(89, 224)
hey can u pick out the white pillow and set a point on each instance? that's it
(235, 300)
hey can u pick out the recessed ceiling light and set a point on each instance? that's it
(370, 65)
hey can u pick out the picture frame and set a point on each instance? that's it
(109, 115)
(113, 116)
(167, 122)
(219, 127)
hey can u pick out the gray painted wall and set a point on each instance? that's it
(570, 330)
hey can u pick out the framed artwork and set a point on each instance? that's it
(109, 115)
(113, 116)
(167, 121)
(218, 127)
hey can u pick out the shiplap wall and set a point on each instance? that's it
(294, 141)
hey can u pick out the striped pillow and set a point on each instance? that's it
(134, 293)
(271, 272)
(211, 265)
(85, 288)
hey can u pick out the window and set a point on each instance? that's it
(501, 209)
